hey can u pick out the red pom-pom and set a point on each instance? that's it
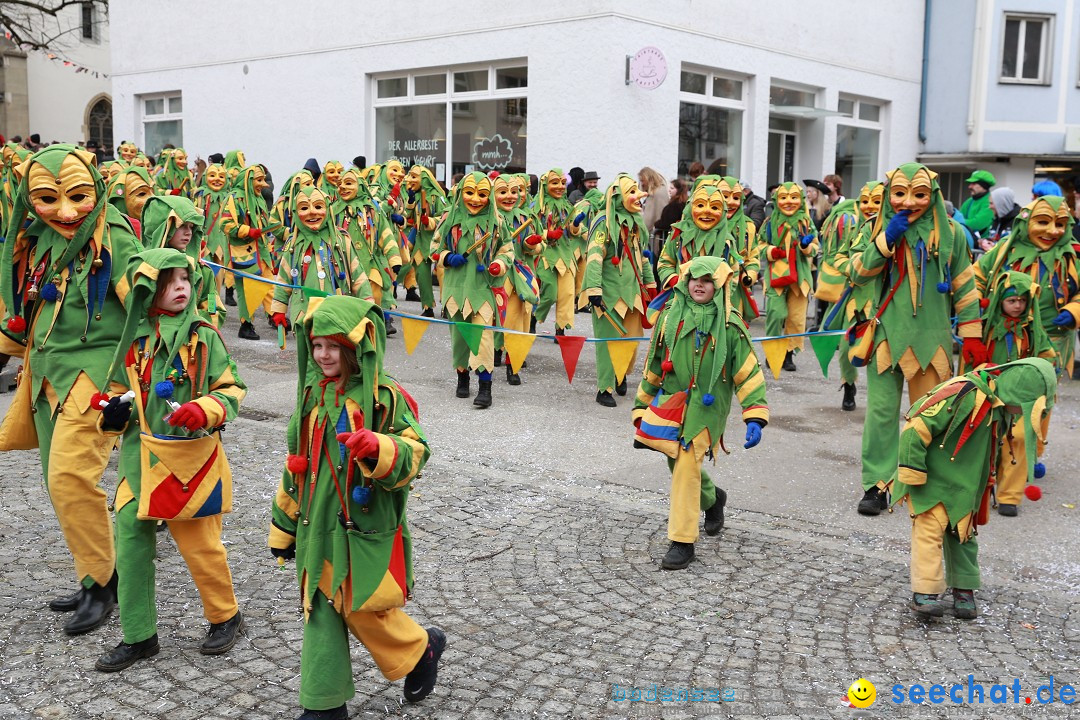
(534, 239)
(434, 257)
(297, 464)
(495, 269)
(984, 303)
(174, 191)
(667, 366)
(254, 233)
(99, 400)
(17, 324)
(1033, 493)
(615, 260)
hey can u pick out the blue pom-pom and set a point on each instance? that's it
(361, 495)
(707, 399)
(164, 389)
(943, 287)
(341, 275)
(1040, 470)
(50, 293)
(480, 267)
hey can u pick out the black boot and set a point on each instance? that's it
(532, 328)
(338, 713)
(428, 312)
(678, 555)
(620, 389)
(714, 516)
(559, 332)
(483, 395)
(463, 383)
(124, 655)
(247, 331)
(95, 607)
(390, 329)
(230, 297)
(222, 636)
(789, 361)
(498, 358)
(873, 501)
(849, 397)
(66, 603)
(421, 679)
(411, 295)
(604, 398)
(512, 378)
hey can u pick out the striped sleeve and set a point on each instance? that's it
(594, 263)
(747, 377)
(403, 450)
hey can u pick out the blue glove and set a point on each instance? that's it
(411, 194)
(115, 414)
(1064, 319)
(397, 219)
(753, 433)
(579, 218)
(896, 228)
(805, 240)
(455, 260)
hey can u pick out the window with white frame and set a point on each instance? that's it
(1025, 49)
(711, 107)
(858, 142)
(454, 120)
(162, 121)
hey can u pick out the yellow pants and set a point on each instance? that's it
(462, 356)
(564, 300)
(930, 541)
(786, 315)
(409, 281)
(1012, 470)
(579, 277)
(73, 457)
(684, 513)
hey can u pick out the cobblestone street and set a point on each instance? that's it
(538, 533)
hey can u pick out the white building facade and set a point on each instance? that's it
(766, 94)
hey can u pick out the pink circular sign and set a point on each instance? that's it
(648, 68)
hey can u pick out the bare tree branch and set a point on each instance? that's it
(47, 24)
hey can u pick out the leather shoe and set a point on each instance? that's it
(620, 389)
(604, 398)
(94, 608)
(1007, 509)
(66, 603)
(714, 516)
(338, 713)
(873, 502)
(678, 555)
(124, 655)
(421, 679)
(222, 636)
(247, 331)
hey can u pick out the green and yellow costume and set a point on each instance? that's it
(424, 207)
(373, 239)
(244, 221)
(558, 267)
(789, 240)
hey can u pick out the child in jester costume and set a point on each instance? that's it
(790, 240)
(318, 258)
(917, 269)
(839, 233)
(175, 178)
(619, 282)
(699, 356)
(475, 253)
(63, 289)
(425, 203)
(244, 221)
(521, 290)
(559, 266)
(372, 236)
(745, 239)
(128, 193)
(355, 448)
(174, 222)
(210, 198)
(1013, 330)
(948, 455)
(186, 388)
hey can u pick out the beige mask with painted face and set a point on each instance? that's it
(789, 200)
(707, 208)
(412, 180)
(215, 177)
(180, 158)
(64, 202)
(556, 186)
(348, 186)
(1046, 227)
(136, 193)
(911, 194)
(311, 209)
(632, 195)
(475, 194)
(505, 193)
(870, 201)
(128, 151)
(395, 171)
(332, 172)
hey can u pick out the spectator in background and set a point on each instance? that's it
(656, 185)
(753, 205)
(1003, 204)
(770, 203)
(678, 195)
(817, 196)
(835, 183)
(976, 209)
(588, 183)
(577, 180)
(1045, 188)
(695, 171)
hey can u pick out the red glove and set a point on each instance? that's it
(254, 233)
(424, 220)
(190, 415)
(554, 234)
(361, 444)
(533, 239)
(974, 352)
(174, 191)
(776, 253)
(495, 269)
(279, 319)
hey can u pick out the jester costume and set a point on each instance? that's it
(317, 258)
(128, 193)
(282, 218)
(162, 216)
(789, 240)
(947, 458)
(331, 176)
(175, 178)
(244, 220)
(918, 271)
(373, 239)
(355, 447)
(521, 288)
(64, 289)
(210, 198)
(425, 204)
(700, 354)
(558, 267)
(744, 237)
(171, 360)
(475, 254)
(387, 189)
(619, 283)
(584, 211)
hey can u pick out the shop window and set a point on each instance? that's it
(692, 82)
(507, 78)
(1025, 49)
(430, 84)
(489, 135)
(712, 136)
(857, 156)
(471, 81)
(727, 88)
(414, 134)
(162, 122)
(393, 87)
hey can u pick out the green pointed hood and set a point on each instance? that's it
(118, 186)
(1030, 385)
(779, 219)
(1025, 250)
(459, 215)
(616, 216)
(934, 220)
(162, 214)
(716, 237)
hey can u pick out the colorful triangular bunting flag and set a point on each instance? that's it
(622, 357)
(775, 350)
(824, 347)
(413, 330)
(570, 347)
(517, 347)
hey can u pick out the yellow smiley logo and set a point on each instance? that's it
(862, 693)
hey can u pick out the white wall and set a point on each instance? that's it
(305, 91)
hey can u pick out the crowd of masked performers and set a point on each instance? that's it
(115, 282)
